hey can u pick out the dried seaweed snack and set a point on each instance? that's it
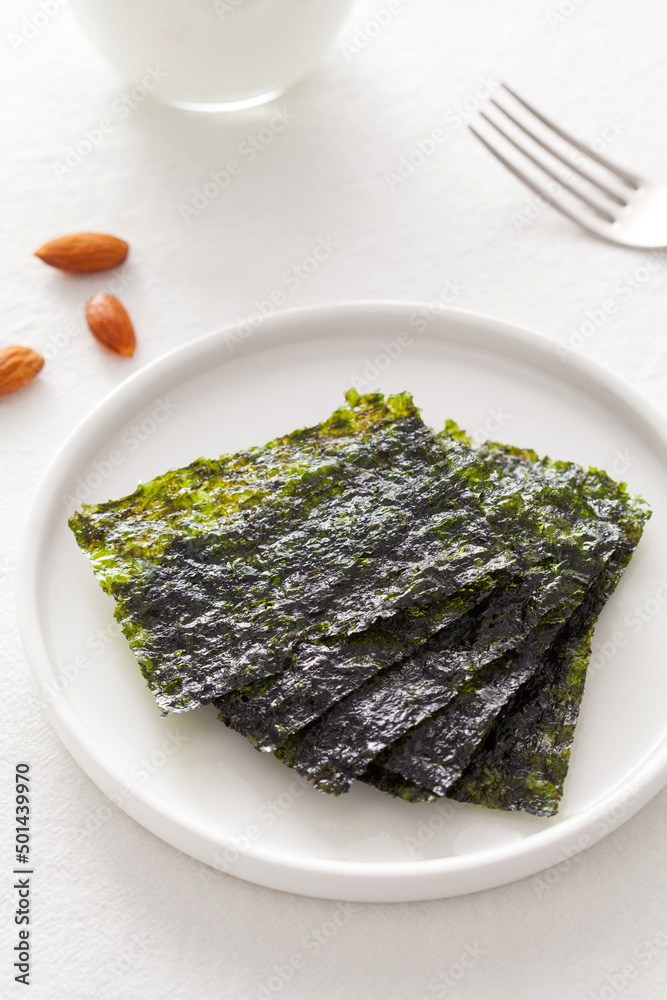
(562, 502)
(523, 763)
(564, 524)
(320, 674)
(522, 619)
(522, 755)
(434, 756)
(435, 753)
(532, 512)
(524, 760)
(219, 569)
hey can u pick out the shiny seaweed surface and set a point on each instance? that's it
(222, 569)
(371, 600)
(565, 509)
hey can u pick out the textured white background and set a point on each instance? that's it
(118, 913)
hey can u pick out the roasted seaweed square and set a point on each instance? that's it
(226, 571)
(501, 642)
(318, 675)
(523, 761)
(510, 748)
(371, 600)
(537, 509)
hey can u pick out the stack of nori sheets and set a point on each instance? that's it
(371, 600)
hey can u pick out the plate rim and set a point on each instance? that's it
(331, 878)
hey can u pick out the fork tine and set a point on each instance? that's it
(540, 191)
(598, 209)
(631, 179)
(554, 152)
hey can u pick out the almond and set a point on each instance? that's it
(110, 324)
(84, 253)
(18, 366)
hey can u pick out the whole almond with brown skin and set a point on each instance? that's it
(18, 366)
(110, 324)
(84, 253)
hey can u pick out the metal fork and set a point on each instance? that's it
(615, 204)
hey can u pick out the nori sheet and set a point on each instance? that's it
(317, 676)
(503, 742)
(219, 569)
(523, 761)
(333, 590)
(521, 618)
(561, 495)
(314, 680)
(540, 509)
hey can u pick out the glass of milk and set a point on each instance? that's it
(213, 55)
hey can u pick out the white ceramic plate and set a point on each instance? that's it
(203, 788)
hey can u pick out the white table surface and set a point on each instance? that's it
(117, 912)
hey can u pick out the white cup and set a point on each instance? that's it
(213, 55)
